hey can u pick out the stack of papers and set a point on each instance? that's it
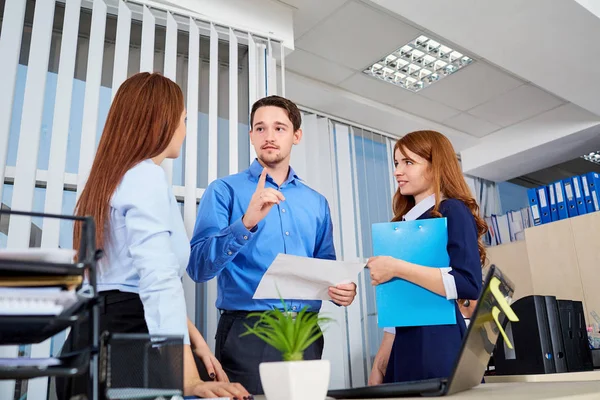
(54, 255)
(35, 301)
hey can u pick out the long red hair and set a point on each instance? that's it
(448, 179)
(140, 124)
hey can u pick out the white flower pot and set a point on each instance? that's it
(295, 380)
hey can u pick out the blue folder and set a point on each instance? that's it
(579, 195)
(593, 179)
(587, 193)
(544, 205)
(570, 197)
(561, 203)
(553, 207)
(402, 303)
(533, 204)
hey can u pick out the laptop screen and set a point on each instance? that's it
(483, 331)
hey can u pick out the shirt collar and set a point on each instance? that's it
(256, 169)
(420, 208)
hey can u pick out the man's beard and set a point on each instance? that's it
(271, 159)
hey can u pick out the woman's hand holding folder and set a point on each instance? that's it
(385, 268)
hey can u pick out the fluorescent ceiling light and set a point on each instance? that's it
(418, 64)
(594, 157)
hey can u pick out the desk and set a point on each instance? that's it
(525, 391)
(562, 377)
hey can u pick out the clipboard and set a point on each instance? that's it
(402, 303)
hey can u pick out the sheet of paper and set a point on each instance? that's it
(304, 278)
(54, 255)
(29, 362)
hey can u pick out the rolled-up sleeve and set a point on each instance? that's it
(145, 204)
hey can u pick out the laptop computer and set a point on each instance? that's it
(492, 311)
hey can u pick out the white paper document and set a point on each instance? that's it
(55, 255)
(35, 301)
(29, 362)
(304, 278)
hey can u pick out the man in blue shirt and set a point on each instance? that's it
(244, 221)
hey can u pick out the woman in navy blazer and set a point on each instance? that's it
(431, 185)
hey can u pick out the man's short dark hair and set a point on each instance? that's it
(277, 101)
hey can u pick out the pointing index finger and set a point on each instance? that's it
(262, 179)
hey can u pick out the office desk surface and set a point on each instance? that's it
(562, 377)
(525, 391)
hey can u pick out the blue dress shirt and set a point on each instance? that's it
(147, 248)
(222, 246)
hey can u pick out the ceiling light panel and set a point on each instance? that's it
(418, 64)
(593, 157)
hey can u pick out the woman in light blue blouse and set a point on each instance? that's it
(140, 228)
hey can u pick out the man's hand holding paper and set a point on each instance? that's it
(303, 278)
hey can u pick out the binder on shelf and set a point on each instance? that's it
(587, 194)
(544, 205)
(579, 197)
(570, 198)
(553, 208)
(504, 231)
(594, 185)
(533, 204)
(517, 226)
(561, 203)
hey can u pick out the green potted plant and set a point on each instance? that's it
(291, 334)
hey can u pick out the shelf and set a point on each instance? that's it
(71, 365)
(30, 329)
(28, 268)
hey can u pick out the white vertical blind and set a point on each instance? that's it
(170, 71)
(390, 157)
(60, 124)
(271, 70)
(213, 120)
(191, 155)
(357, 317)
(310, 141)
(349, 250)
(27, 154)
(92, 94)
(121, 46)
(252, 82)
(10, 48)
(262, 70)
(282, 62)
(233, 102)
(147, 50)
(213, 105)
(306, 159)
(191, 140)
(31, 122)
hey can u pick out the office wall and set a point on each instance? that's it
(512, 197)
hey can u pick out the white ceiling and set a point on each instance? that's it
(336, 39)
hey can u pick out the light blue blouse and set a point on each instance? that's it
(147, 248)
